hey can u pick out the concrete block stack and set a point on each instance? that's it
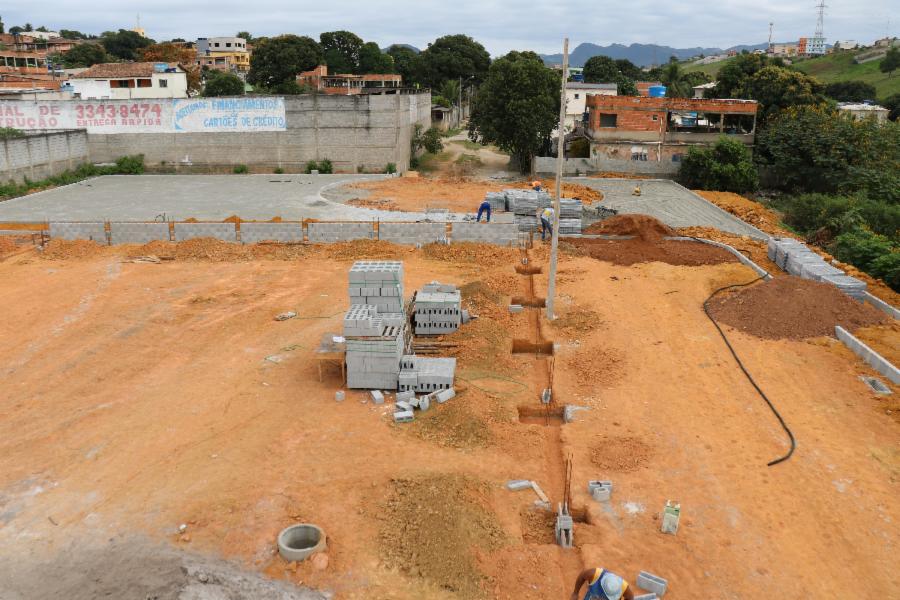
(525, 204)
(437, 309)
(570, 216)
(377, 283)
(375, 326)
(501, 234)
(797, 259)
(425, 374)
(497, 200)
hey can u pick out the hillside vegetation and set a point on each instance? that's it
(831, 68)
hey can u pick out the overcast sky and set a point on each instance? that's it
(501, 26)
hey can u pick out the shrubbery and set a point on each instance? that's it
(127, 165)
(323, 166)
(727, 166)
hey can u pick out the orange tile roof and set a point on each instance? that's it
(114, 70)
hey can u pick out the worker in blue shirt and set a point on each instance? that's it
(602, 585)
(485, 207)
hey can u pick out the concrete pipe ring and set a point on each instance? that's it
(298, 542)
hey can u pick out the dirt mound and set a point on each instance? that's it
(621, 454)
(7, 245)
(453, 425)
(754, 249)
(577, 319)
(72, 249)
(792, 308)
(634, 251)
(642, 226)
(432, 527)
(488, 255)
(596, 365)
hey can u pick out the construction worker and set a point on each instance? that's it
(636, 191)
(536, 186)
(484, 208)
(547, 221)
(602, 585)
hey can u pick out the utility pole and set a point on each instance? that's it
(560, 157)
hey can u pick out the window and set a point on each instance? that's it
(607, 120)
(577, 96)
(656, 117)
(639, 153)
(677, 157)
(216, 44)
(144, 83)
(163, 83)
(228, 44)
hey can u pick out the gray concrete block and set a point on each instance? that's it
(339, 232)
(339, 395)
(424, 403)
(652, 583)
(79, 231)
(516, 485)
(869, 356)
(403, 416)
(220, 231)
(403, 405)
(516, 308)
(405, 396)
(444, 395)
(252, 233)
(138, 233)
(377, 397)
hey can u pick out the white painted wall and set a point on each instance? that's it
(99, 89)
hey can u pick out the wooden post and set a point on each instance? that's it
(560, 157)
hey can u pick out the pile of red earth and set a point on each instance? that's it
(792, 308)
(647, 245)
(641, 226)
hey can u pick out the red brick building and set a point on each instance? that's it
(651, 135)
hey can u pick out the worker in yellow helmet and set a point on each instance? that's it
(602, 585)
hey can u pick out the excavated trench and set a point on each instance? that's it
(528, 347)
(541, 415)
(530, 302)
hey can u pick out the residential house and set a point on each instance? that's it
(23, 63)
(346, 84)
(123, 81)
(652, 135)
(846, 45)
(227, 54)
(864, 110)
(576, 98)
(701, 90)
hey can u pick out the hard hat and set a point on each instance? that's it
(612, 586)
(535, 183)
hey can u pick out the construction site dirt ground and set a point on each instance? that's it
(139, 397)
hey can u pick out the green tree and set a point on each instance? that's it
(450, 90)
(406, 63)
(673, 78)
(15, 29)
(892, 103)
(373, 60)
(733, 78)
(600, 69)
(277, 61)
(891, 62)
(341, 50)
(125, 44)
(246, 35)
(222, 84)
(2, 26)
(85, 55)
(777, 88)
(818, 149)
(628, 69)
(727, 166)
(42, 29)
(453, 57)
(627, 87)
(517, 106)
(74, 34)
(850, 91)
(431, 141)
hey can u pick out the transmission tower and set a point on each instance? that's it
(820, 23)
(771, 25)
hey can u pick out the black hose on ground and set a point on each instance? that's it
(737, 359)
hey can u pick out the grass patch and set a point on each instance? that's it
(839, 66)
(430, 162)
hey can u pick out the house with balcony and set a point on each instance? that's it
(651, 135)
(348, 84)
(227, 54)
(124, 81)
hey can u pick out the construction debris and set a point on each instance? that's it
(652, 583)
(285, 316)
(339, 396)
(600, 490)
(670, 517)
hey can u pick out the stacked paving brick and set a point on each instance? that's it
(437, 309)
(797, 259)
(570, 216)
(375, 326)
(378, 284)
(425, 374)
(497, 201)
(526, 203)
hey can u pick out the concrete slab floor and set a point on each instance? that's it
(669, 202)
(203, 197)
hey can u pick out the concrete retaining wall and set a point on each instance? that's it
(41, 155)
(339, 232)
(352, 131)
(881, 305)
(79, 231)
(574, 166)
(222, 231)
(412, 233)
(503, 234)
(872, 358)
(137, 233)
(275, 232)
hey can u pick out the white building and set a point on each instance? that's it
(124, 81)
(576, 96)
(865, 111)
(846, 45)
(42, 35)
(700, 90)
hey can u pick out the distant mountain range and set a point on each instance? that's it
(643, 55)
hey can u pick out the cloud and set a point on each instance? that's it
(501, 26)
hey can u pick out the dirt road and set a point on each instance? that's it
(138, 397)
